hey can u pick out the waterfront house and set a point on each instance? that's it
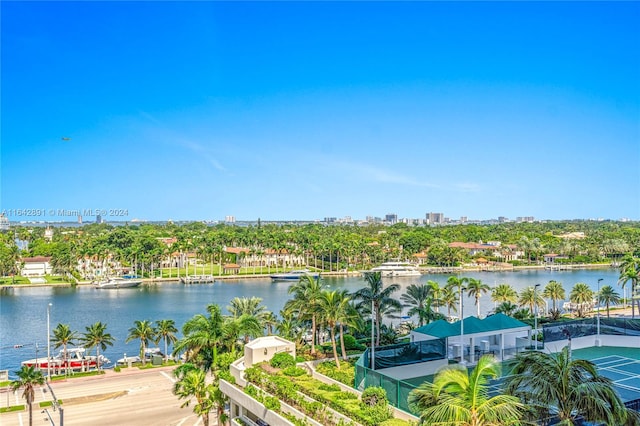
(38, 266)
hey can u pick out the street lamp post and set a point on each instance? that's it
(373, 336)
(535, 320)
(462, 360)
(598, 342)
(48, 343)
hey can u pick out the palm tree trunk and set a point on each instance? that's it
(333, 344)
(313, 334)
(344, 352)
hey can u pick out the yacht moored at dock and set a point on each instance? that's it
(197, 279)
(294, 275)
(397, 269)
(118, 282)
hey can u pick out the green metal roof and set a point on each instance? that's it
(439, 328)
(472, 325)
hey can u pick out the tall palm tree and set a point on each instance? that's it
(530, 298)
(581, 296)
(557, 385)
(28, 378)
(476, 288)
(202, 336)
(305, 301)
(419, 298)
(144, 331)
(608, 296)
(504, 293)
(332, 309)
(457, 397)
(192, 383)
(436, 292)
(630, 272)
(166, 329)
(63, 336)
(96, 335)
(449, 298)
(458, 283)
(554, 291)
(379, 297)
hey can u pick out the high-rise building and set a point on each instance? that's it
(98, 218)
(391, 218)
(435, 218)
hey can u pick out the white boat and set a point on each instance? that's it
(149, 353)
(294, 275)
(119, 282)
(197, 279)
(75, 361)
(397, 269)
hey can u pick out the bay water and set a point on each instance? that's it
(23, 310)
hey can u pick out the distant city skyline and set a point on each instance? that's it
(305, 110)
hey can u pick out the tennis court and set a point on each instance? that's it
(624, 372)
(621, 365)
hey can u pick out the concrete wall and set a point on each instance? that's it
(590, 341)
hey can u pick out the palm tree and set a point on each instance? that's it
(608, 296)
(192, 383)
(436, 292)
(144, 331)
(334, 310)
(166, 329)
(630, 272)
(476, 288)
(419, 298)
(554, 291)
(530, 298)
(457, 397)
(449, 298)
(245, 325)
(270, 321)
(557, 385)
(96, 335)
(28, 378)
(379, 297)
(581, 296)
(202, 335)
(63, 336)
(506, 308)
(458, 284)
(305, 301)
(504, 293)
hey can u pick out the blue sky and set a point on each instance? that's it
(285, 110)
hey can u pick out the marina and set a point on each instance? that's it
(23, 334)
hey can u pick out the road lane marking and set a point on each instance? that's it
(171, 379)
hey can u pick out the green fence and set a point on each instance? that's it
(589, 327)
(394, 356)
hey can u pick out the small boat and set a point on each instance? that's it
(197, 279)
(119, 282)
(149, 353)
(397, 269)
(75, 361)
(294, 275)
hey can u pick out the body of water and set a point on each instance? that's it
(23, 311)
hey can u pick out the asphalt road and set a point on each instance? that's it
(131, 397)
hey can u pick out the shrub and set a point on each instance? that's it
(282, 360)
(294, 371)
(330, 388)
(374, 396)
(272, 403)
